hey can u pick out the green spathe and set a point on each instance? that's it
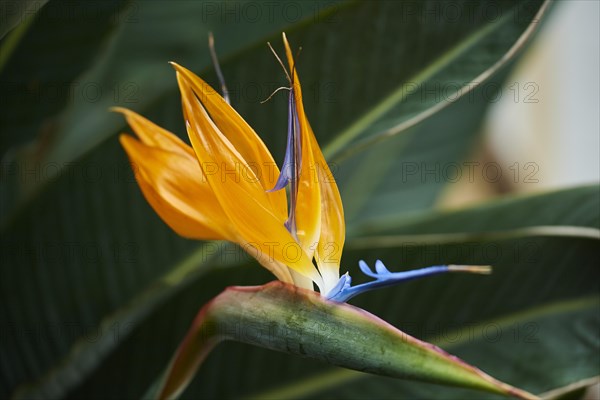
(286, 318)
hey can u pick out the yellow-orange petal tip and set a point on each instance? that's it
(118, 109)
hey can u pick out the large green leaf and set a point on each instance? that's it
(462, 223)
(35, 90)
(14, 13)
(394, 159)
(536, 278)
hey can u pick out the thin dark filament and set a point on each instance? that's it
(284, 70)
(280, 62)
(215, 61)
(274, 92)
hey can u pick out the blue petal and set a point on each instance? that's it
(344, 283)
(290, 170)
(344, 291)
(380, 268)
(366, 270)
(288, 167)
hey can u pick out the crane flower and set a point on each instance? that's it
(226, 186)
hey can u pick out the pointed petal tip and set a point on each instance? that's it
(278, 186)
(286, 44)
(126, 112)
(120, 110)
(177, 67)
(474, 269)
(127, 141)
(187, 77)
(364, 267)
(381, 268)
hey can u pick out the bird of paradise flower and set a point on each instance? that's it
(223, 188)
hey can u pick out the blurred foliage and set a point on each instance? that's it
(97, 291)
